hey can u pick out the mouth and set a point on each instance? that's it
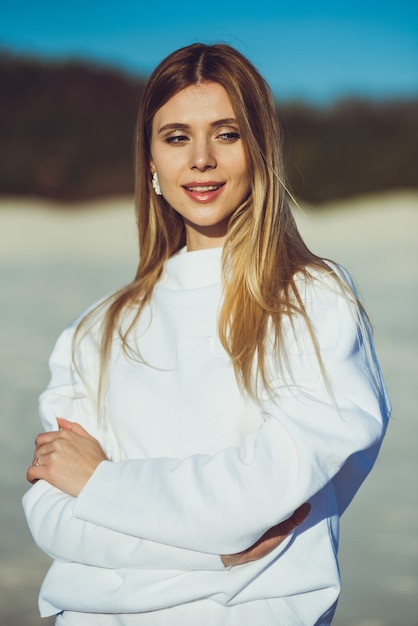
(203, 188)
(203, 192)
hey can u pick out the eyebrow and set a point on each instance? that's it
(227, 121)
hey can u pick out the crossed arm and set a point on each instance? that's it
(302, 444)
(68, 457)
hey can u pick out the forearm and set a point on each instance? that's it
(64, 537)
(225, 502)
(222, 504)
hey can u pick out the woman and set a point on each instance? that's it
(209, 406)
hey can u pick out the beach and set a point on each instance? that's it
(56, 260)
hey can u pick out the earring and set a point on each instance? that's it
(156, 184)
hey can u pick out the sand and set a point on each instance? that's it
(55, 261)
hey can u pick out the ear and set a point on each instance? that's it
(152, 167)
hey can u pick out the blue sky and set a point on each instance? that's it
(313, 51)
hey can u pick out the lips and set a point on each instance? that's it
(202, 187)
(203, 191)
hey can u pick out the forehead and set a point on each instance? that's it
(204, 102)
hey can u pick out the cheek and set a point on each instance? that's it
(167, 169)
(239, 169)
(243, 178)
(169, 180)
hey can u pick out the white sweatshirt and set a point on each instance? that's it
(199, 470)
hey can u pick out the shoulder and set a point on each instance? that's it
(329, 307)
(80, 340)
(331, 281)
(330, 286)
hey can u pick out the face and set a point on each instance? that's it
(198, 154)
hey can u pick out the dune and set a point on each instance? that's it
(56, 260)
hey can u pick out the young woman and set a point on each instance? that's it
(227, 402)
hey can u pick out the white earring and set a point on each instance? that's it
(156, 184)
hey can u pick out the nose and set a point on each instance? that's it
(202, 155)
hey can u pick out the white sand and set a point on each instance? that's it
(37, 230)
(55, 261)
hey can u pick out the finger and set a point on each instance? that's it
(30, 475)
(73, 427)
(295, 520)
(43, 450)
(35, 473)
(36, 460)
(36, 470)
(300, 515)
(48, 437)
(270, 540)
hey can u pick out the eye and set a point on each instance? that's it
(176, 139)
(229, 136)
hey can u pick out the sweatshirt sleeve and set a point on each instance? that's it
(313, 425)
(63, 537)
(49, 512)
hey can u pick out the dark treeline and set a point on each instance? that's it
(355, 147)
(67, 133)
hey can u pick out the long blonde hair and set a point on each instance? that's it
(263, 250)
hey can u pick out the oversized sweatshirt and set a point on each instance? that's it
(197, 469)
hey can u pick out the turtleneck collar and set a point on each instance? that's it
(192, 270)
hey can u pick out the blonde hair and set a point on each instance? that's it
(263, 251)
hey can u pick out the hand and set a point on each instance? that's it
(66, 458)
(270, 540)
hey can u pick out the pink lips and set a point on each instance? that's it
(203, 191)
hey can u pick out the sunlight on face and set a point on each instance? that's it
(198, 154)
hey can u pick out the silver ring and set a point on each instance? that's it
(37, 460)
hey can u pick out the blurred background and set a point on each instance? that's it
(345, 79)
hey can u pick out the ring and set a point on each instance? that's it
(37, 460)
